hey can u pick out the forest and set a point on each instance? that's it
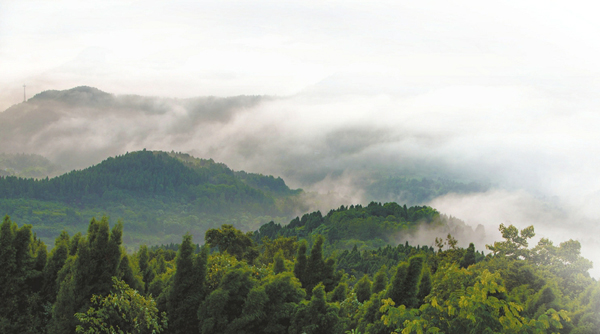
(163, 195)
(297, 278)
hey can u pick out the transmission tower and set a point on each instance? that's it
(24, 94)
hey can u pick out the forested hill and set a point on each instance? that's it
(170, 193)
(143, 173)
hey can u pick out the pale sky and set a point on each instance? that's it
(505, 89)
(194, 48)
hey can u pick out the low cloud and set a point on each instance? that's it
(532, 142)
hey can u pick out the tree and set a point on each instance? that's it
(146, 270)
(515, 244)
(405, 284)
(22, 259)
(279, 264)
(87, 273)
(124, 310)
(269, 308)
(363, 289)
(316, 316)
(469, 257)
(188, 289)
(231, 240)
(380, 280)
(226, 303)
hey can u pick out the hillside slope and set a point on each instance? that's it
(158, 194)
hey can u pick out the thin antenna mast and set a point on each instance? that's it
(24, 95)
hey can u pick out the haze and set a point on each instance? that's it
(336, 93)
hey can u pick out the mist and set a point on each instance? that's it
(330, 96)
(521, 139)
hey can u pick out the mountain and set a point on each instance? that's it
(158, 195)
(79, 127)
(27, 165)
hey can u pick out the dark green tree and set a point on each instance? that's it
(363, 289)
(380, 280)
(188, 288)
(218, 312)
(233, 241)
(279, 264)
(269, 308)
(315, 316)
(146, 270)
(424, 285)
(469, 257)
(87, 273)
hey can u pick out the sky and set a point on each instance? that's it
(505, 92)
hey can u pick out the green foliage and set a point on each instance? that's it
(469, 257)
(160, 195)
(124, 310)
(316, 316)
(22, 259)
(269, 308)
(363, 289)
(233, 241)
(515, 244)
(86, 273)
(226, 303)
(279, 264)
(380, 280)
(188, 288)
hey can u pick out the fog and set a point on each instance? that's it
(328, 95)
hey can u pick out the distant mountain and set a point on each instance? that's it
(81, 126)
(27, 165)
(156, 193)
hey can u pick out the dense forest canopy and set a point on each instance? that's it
(300, 283)
(161, 195)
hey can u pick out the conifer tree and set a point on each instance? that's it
(363, 289)
(339, 293)
(410, 286)
(56, 260)
(279, 264)
(424, 285)
(469, 257)
(16, 266)
(300, 264)
(146, 270)
(188, 289)
(395, 290)
(380, 280)
(87, 273)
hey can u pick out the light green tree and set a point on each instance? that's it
(123, 311)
